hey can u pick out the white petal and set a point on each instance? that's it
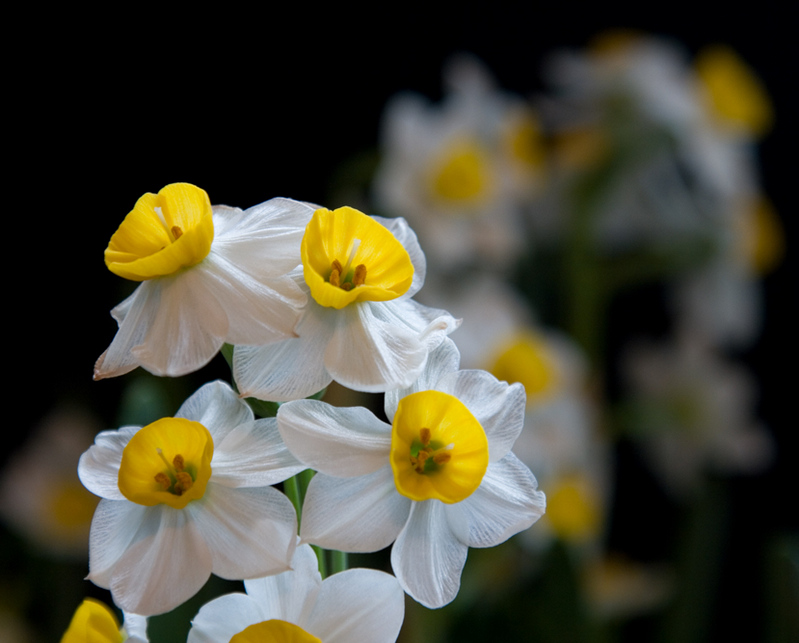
(166, 563)
(373, 349)
(407, 237)
(360, 514)
(249, 532)
(253, 455)
(98, 468)
(508, 501)
(134, 316)
(291, 369)
(343, 442)
(264, 239)
(257, 311)
(135, 626)
(187, 329)
(217, 407)
(498, 407)
(114, 526)
(222, 618)
(358, 605)
(440, 362)
(428, 558)
(289, 596)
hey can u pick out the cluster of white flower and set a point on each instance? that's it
(307, 296)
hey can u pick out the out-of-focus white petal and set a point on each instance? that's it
(165, 564)
(222, 618)
(291, 369)
(362, 514)
(341, 442)
(113, 528)
(249, 532)
(498, 407)
(358, 605)
(217, 407)
(98, 467)
(253, 455)
(441, 361)
(506, 503)
(373, 349)
(427, 558)
(288, 596)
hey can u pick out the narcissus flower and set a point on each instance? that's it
(93, 622)
(360, 326)
(297, 606)
(187, 496)
(440, 479)
(209, 276)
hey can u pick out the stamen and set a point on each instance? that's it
(184, 482)
(360, 275)
(441, 458)
(163, 480)
(424, 436)
(180, 465)
(176, 232)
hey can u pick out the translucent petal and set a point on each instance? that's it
(254, 455)
(499, 407)
(223, 617)
(358, 605)
(217, 407)
(249, 532)
(340, 442)
(291, 369)
(114, 527)
(427, 557)
(507, 502)
(361, 514)
(98, 467)
(166, 563)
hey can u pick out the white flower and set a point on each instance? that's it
(461, 172)
(360, 326)
(94, 622)
(692, 411)
(209, 276)
(362, 605)
(187, 496)
(439, 480)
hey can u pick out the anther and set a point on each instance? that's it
(424, 436)
(335, 275)
(163, 480)
(359, 279)
(441, 458)
(183, 483)
(179, 463)
(176, 232)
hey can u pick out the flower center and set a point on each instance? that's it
(274, 631)
(93, 622)
(438, 448)
(348, 257)
(162, 234)
(167, 462)
(526, 358)
(462, 174)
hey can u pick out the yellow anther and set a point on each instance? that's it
(360, 275)
(184, 482)
(424, 436)
(176, 232)
(163, 481)
(442, 457)
(178, 462)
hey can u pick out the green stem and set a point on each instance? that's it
(339, 561)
